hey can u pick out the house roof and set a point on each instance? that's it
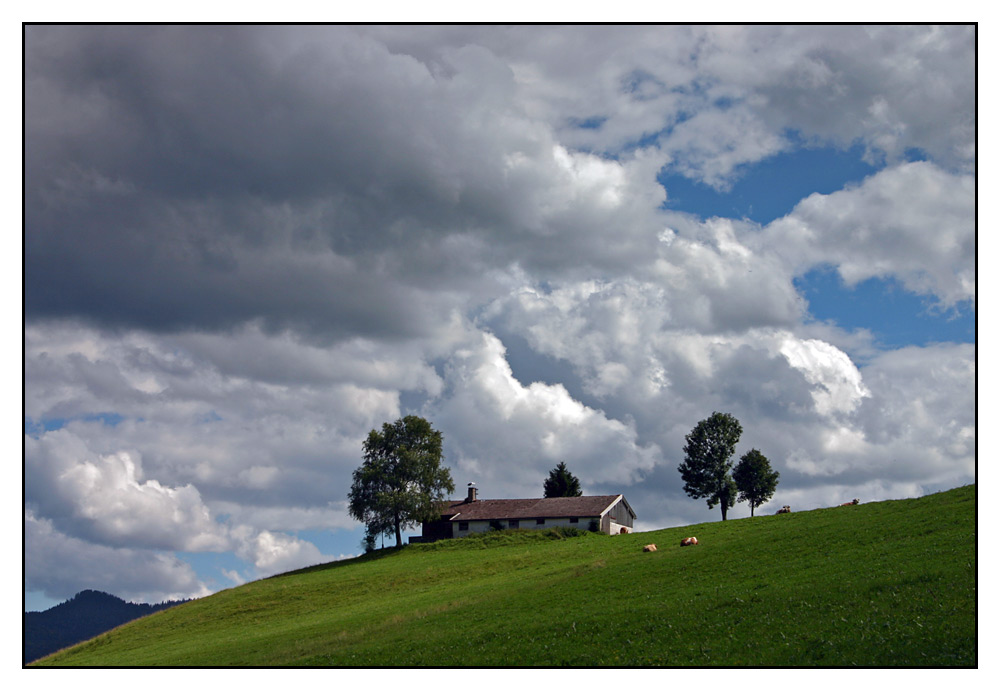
(554, 507)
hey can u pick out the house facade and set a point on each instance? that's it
(609, 514)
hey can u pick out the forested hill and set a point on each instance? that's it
(83, 616)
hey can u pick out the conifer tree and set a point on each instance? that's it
(562, 483)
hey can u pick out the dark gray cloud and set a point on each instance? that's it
(202, 177)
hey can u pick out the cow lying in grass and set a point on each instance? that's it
(649, 548)
(688, 541)
(784, 509)
(850, 503)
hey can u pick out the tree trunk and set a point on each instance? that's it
(399, 536)
(724, 509)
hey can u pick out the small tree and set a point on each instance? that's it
(368, 542)
(562, 483)
(401, 481)
(755, 479)
(706, 465)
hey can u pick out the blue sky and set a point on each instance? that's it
(894, 316)
(771, 188)
(241, 254)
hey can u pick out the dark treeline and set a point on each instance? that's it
(83, 616)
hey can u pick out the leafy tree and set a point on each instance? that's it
(755, 479)
(401, 480)
(562, 483)
(706, 465)
(368, 542)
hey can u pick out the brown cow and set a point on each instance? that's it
(688, 541)
(649, 548)
(784, 509)
(850, 503)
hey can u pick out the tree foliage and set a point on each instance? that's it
(707, 453)
(755, 479)
(401, 481)
(562, 483)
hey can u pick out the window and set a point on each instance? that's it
(539, 521)
(574, 520)
(513, 523)
(463, 525)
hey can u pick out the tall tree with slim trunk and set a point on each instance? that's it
(401, 481)
(755, 479)
(562, 483)
(706, 466)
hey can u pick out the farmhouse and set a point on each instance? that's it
(609, 514)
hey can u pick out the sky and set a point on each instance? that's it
(245, 247)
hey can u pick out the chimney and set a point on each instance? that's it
(472, 492)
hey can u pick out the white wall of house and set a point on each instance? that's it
(524, 524)
(616, 528)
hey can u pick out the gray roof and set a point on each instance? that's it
(555, 507)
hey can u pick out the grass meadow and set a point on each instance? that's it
(875, 585)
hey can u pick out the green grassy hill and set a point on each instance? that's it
(882, 584)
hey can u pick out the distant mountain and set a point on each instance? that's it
(83, 616)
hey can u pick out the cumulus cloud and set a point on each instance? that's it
(511, 435)
(801, 399)
(893, 88)
(106, 498)
(79, 504)
(272, 553)
(919, 419)
(206, 415)
(914, 222)
(59, 566)
(838, 386)
(247, 246)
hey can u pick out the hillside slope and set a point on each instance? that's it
(882, 584)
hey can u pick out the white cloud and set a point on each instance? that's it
(286, 516)
(283, 358)
(837, 384)
(507, 436)
(713, 144)
(104, 504)
(802, 400)
(217, 417)
(914, 222)
(106, 499)
(60, 565)
(921, 416)
(272, 553)
(738, 88)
